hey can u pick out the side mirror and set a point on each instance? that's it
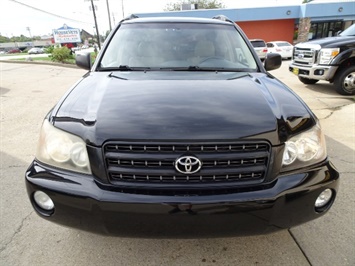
(272, 61)
(83, 61)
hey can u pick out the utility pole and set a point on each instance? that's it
(108, 12)
(122, 9)
(114, 20)
(29, 31)
(97, 29)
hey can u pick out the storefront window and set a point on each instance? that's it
(324, 29)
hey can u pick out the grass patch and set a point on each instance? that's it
(43, 59)
(47, 59)
(13, 54)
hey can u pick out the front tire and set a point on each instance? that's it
(308, 81)
(344, 82)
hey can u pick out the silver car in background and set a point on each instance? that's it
(36, 50)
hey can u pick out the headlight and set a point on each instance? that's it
(304, 149)
(61, 149)
(326, 55)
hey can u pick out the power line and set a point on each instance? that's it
(49, 13)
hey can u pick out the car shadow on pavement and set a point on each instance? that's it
(14, 203)
(3, 91)
(326, 89)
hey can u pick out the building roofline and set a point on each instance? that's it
(318, 11)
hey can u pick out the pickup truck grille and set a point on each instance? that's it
(154, 163)
(304, 56)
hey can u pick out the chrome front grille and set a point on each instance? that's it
(154, 163)
(304, 56)
(188, 178)
(206, 163)
(138, 147)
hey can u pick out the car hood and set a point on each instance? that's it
(182, 106)
(331, 42)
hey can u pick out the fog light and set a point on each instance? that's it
(319, 72)
(324, 198)
(43, 200)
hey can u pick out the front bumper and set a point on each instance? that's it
(318, 72)
(83, 203)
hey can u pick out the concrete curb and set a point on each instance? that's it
(39, 63)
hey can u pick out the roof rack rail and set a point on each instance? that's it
(132, 16)
(223, 18)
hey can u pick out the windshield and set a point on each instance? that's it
(349, 31)
(175, 46)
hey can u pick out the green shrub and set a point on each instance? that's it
(61, 54)
(49, 49)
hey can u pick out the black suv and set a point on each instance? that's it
(177, 130)
(331, 59)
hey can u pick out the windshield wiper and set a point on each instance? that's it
(123, 68)
(241, 76)
(194, 68)
(111, 75)
(187, 68)
(211, 69)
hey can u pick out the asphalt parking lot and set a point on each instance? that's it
(28, 91)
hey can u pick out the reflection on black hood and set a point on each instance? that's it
(215, 107)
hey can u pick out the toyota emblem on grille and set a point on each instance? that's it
(188, 165)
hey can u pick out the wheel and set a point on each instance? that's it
(344, 82)
(308, 81)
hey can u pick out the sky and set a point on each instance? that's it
(40, 17)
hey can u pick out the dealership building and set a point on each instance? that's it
(318, 20)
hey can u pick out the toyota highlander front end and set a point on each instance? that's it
(177, 130)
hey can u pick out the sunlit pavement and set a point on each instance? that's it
(21, 56)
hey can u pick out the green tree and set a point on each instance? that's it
(21, 38)
(36, 38)
(49, 49)
(4, 39)
(202, 4)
